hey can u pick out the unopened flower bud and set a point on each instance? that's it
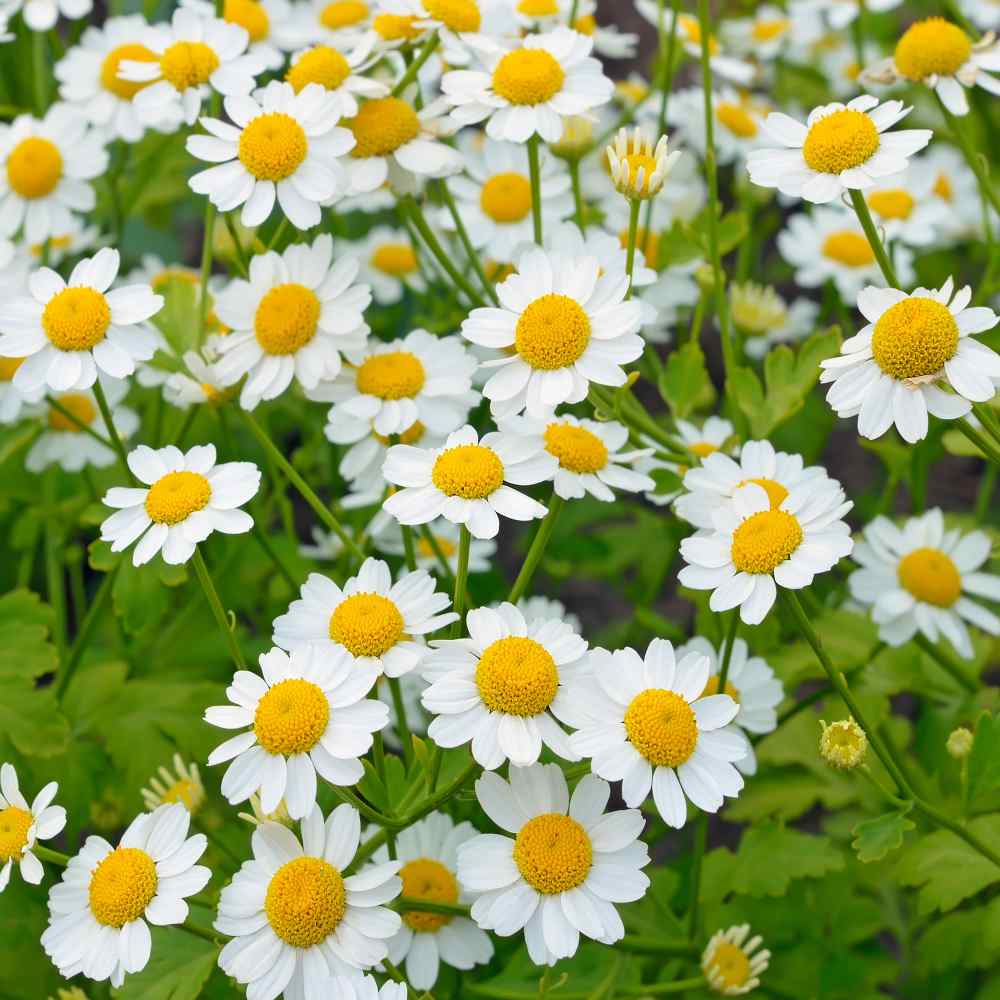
(843, 744)
(959, 743)
(638, 169)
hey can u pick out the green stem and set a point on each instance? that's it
(208, 225)
(461, 579)
(535, 173)
(47, 854)
(77, 422)
(573, 166)
(202, 932)
(975, 161)
(86, 630)
(239, 254)
(987, 487)
(943, 660)
(260, 537)
(663, 989)
(278, 234)
(964, 427)
(402, 725)
(414, 68)
(116, 441)
(734, 627)
(667, 65)
(435, 547)
(217, 609)
(537, 550)
(634, 206)
(409, 552)
(55, 580)
(463, 235)
(40, 64)
(878, 248)
(404, 905)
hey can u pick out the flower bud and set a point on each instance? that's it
(959, 743)
(843, 744)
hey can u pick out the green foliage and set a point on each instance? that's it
(685, 383)
(983, 775)
(875, 838)
(178, 968)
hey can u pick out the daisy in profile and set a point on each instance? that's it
(732, 964)
(563, 865)
(182, 785)
(99, 914)
(906, 210)
(23, 825)
(765, 319)
(295, 918)
(565, 325)
(887, 373)
(839, 148)
(389, 263)
(737, 126)
(198, 383)
(67, 332)
(755, 546)
(442, 544)
(185, 497)
(341, 74)
(46, 165)
(502, 688)
(292, 320)
(308, 715)
(375, 621)
(466, 480)
(715, 434)
(923, 578)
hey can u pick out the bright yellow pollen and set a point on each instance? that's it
(943, 189)
(286, 319)
(188, 64)
(395, 27)
(843, 744)
(323, 65)
(273, 146)
(934, 47)
(470, 471)
(661, 725)
(291, 717)
(382, 126)
(765, 540)
(76, 319)
(14, 826)
(703, 448)
(395, 259)
(305, 901)
(186, 792)
(577, 449)
(914, 338)
(712, 687)
(458, 15)
(692, 33)
(728, 963)
(892, 204)
(250, 15)
(552, 332)
(648, 243)
(840, 141)
(506, 197)
(343, 13)
(517, 676)
(8, 367)
(427, 879)
(366, 624)
(737, 119)
(176, 496)
(34, 167)
(553, 853)
(79, 405)
(586, 25)
(766, 31)
(538, 8)
(776, 493)
(122, 886)
(637, 162)
(411, 435)
(393, 375)
(110, 81)
(528, 76)
(445, 545)
(848, 248)
(931, 576)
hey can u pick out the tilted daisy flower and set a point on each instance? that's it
(566, 325)
(182, 785)
(444, 539)
(839, 148)
(757, 545)
(838, 14)
(563, 865)
(185, 498)
(715, 434)
(99, 913)
(389, 262)
(199, 382)
(309, 715)
(887, 373)
(649, 722)
(299, 310)
(466, 480)
(46, 165)
(341, 74)
(23, 825)
(732, 964)
(73, 241)
(921, 578)
(766, 319)
(293, 915)
(502, 688)
(67, 332)
(459, 23)
(639, 169)
(41, 15)
(763, 35)
(266, 22)
(906, 209)
(374, 620)
(737, 125)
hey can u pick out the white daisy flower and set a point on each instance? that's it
(23, 825)
(887, 373)
(943, 176)
(984, 13)
(68, 332)
(46, 165)
(185, 498)
(763, 35)
(292, 319)
(923, 578)
(541, 15)
(459, 23)
(502, 689)
(308, 715)
(540, 608)
(41, 15)
(293, 915)
(765, 319)
(838, 14)
(466, 480)
(563, 867)
(341, 74)
(71, 242)
(357, 987)
(183, 785)
(609, 41)
(99, 913)
(733, 965)
(375, 621)
(757, 545)
(906, 209)
(341, 23)
(737, 126)
(836, 58)
(199, 382)
(610, 250)
(266, 22)
(389, 262)
(840, 148)
(446, 538)
(714, 435)
(13, 402)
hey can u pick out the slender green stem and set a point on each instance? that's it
(55, 580)
(964, 427)
(378, 756)
(463, 235)
(77, 422)
(109, 423)
(402, 724)
(634, 206)
(461, 580)
(535, 174)
(946, 662)
(537, 550)
(874, 241)
(404, 905)
(666, 73)
(278, 234)
(727, 656)
(260, 537)
(435, 547)
(697, 318)
(370, 814)
(694, 908)
(86, 630)
(987, 487)
(40, 64)
(47, 854)
(573, 165)
(662, 989)
(207, 242)
(414, 68)
(409, 552)
(988, 419)
(239, 254)
(217, 609)
(976, 162)
(198, 931)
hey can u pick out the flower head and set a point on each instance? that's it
(843, 744)
(959, 742)
(183, 785)
(732, 964)
(638, 169)
(23, 825)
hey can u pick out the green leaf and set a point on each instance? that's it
(178, 968)
(875, 838)
(685, 380)
(984, 760)
(177, 320)
(667, 482)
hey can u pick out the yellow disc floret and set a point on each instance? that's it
(712, 687)
(250, 15)
(893, 203)
(506, 197)
(122, 886)
(843, 744)
(470, 471)
(286, 318)
(111, 82)
(728, 964)
(396, 27)
(931, 576)
(765, 540)
(934, 47)
(848, 248)
(553, 853)
(776, 493)
(517, 676)
(840, 141)
(427, 879)
(14, 826)
(577, 449)
(188, 64)
(366, 624)
(914, 338)
(382, 126)
(291, 717)
(691, 29)
(943, 188)
(305, 901)
(702, 448)
(77, 405)
(737, 119)
(552, 332)
(458, 15)
(273, 146)
(176, 496)
(661, 725)
(411, 435)
(8, 368)
(323, 65)
(76, 319)
(537, 8)
(34, 167)
(528, 76)
(343, 14)
(395, 259)
(767, 30)
(393, 375)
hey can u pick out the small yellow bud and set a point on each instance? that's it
(576, 140)
(843, 744)
(959, 743)
(639, 168)
(280, 815)
(633, 377)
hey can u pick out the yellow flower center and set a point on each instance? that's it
(470, 471)
(343, 13)
(122, 886)
(737, 119)
(552, 332)
(322, 65)
(286, 319)
(577, 449)
(538, 8)
(429, 880)
(934, 47)
(291, 717)
(14, 826)
(411, 435)
(943, 189)
(162, 281)
(728, 963)
(8, 367)
(892, 204)
(661, 725)
(843, 743)
(382, 126)
(395, 259)
(840, 141)
(176, 496)
(528, 76)
(76, 319)
(125, 89)
(637, 162)
(506, 197)
(553, 853)
(586, 25)
(702, 448)
(396, 27)
(458, 15)
(776, 493)
(366, 624)
(931, 576)
(186, 792)
(691, 30)
(79, 406)
(757, 309)
(631, 91)
(848, 248)
(188, 64)
(34, 167)
(712, 687)
(394, 375)
(517, 676)
(273, 146)
(914, 338)
(765, 540)
(250, 15)
(648, 243)
(305, 901)
(445, 545)
(766, 31)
